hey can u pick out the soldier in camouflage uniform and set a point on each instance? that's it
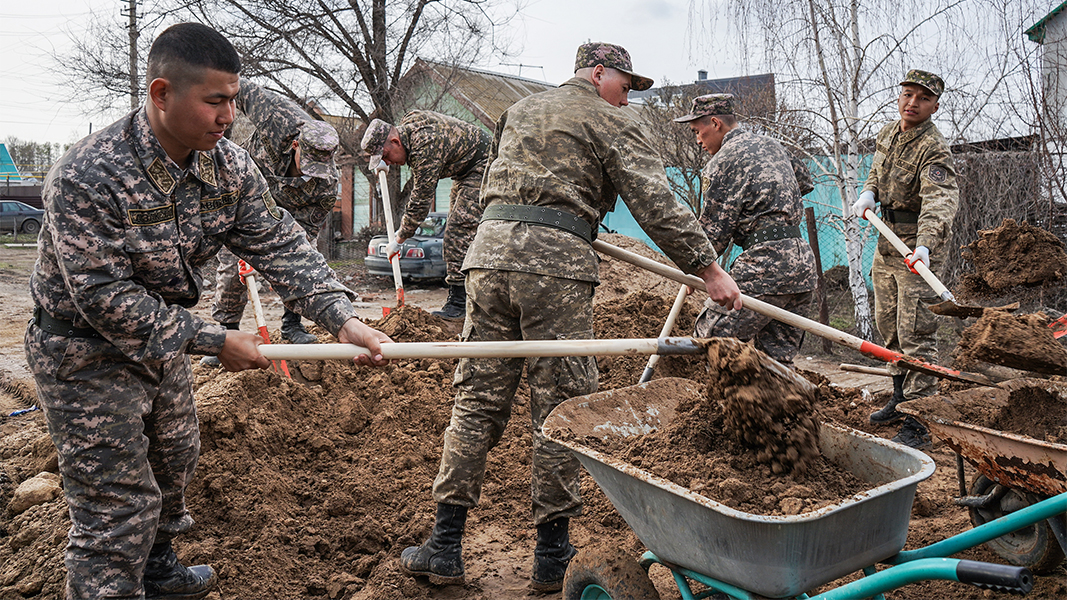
(435, 147)
(752, 198)
(296, 155)
(131, 214)
(559, 160)
(913, 177)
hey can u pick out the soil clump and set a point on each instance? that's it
(1013, 254)
(1018, 341)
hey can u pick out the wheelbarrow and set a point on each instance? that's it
(1014, 472)
(745, 555)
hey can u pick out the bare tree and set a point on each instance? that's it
(838, 63)
(343, 57)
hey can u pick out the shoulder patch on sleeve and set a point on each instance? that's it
(936, 174)
(272, 207)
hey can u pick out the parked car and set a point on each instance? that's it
(421, 256)
(16, 217)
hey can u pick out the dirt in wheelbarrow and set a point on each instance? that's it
(1034, 408)
(310, 488)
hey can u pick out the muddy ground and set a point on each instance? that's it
(309, 488)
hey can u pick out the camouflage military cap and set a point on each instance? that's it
(926, 79)
(709, 105)
(318, 144)
(592, 54)
(374, 139)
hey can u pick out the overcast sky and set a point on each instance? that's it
(548, 31)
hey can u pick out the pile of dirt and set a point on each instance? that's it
(619, 278)
(1018, 341)
(1012, 255)
(1030, 407)
(698, 450)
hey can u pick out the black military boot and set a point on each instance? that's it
(913, 434)
(441, 557)
(889, 412)
(456, 305)
(213, 361)
(165, 577)
(552, 555)
(293, 330)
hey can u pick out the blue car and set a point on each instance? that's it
(16, 217)
(421, 256)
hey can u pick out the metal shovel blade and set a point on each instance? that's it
(950, 308)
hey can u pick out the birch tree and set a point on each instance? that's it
(838, 65)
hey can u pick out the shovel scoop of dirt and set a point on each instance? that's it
(767, 407)
(1018, 341)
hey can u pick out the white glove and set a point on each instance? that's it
(866, 201)
(392, 249)
(921, 254)
(381, 166)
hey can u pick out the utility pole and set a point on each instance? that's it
(135, 90)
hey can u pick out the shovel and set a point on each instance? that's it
(668, 325)
(948, 307)
(248, 276)
(394, 260)
(510, 349)
(816, 328)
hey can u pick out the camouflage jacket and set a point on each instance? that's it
(749, 185)
(275, 122)
(438, 147)
(570, 150)
(913, 171)
(126, 231)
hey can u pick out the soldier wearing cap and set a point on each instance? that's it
(752, 198)
(131, 214)
(435, 147)
(559, 161)
(296, 155)
(913, 178)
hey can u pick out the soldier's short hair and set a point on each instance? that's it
(182, 52)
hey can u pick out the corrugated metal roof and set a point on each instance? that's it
(487, 95)
(1036, 32)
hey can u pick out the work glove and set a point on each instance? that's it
(381, 166)
(921, 254)
(392, 249)
(866, 201)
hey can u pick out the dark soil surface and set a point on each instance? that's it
(1018, 341)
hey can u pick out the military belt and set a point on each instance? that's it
(900, 216)
(540, 215)
(770, 234)
(54, 326)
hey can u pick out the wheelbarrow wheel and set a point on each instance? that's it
(606, 574)
(1033, 546)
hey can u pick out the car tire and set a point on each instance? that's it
(31, 226)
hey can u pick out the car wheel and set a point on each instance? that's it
(31, 226)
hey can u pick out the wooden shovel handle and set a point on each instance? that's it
(920, 267)
(515, 349)
(823, 331)
(394, 260)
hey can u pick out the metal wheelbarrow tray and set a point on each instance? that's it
(1010, 459)
(774, 556)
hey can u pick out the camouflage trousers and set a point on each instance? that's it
(508, 305)
(464, 213)
(776, 339)
(906, 324)
(128, 442)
